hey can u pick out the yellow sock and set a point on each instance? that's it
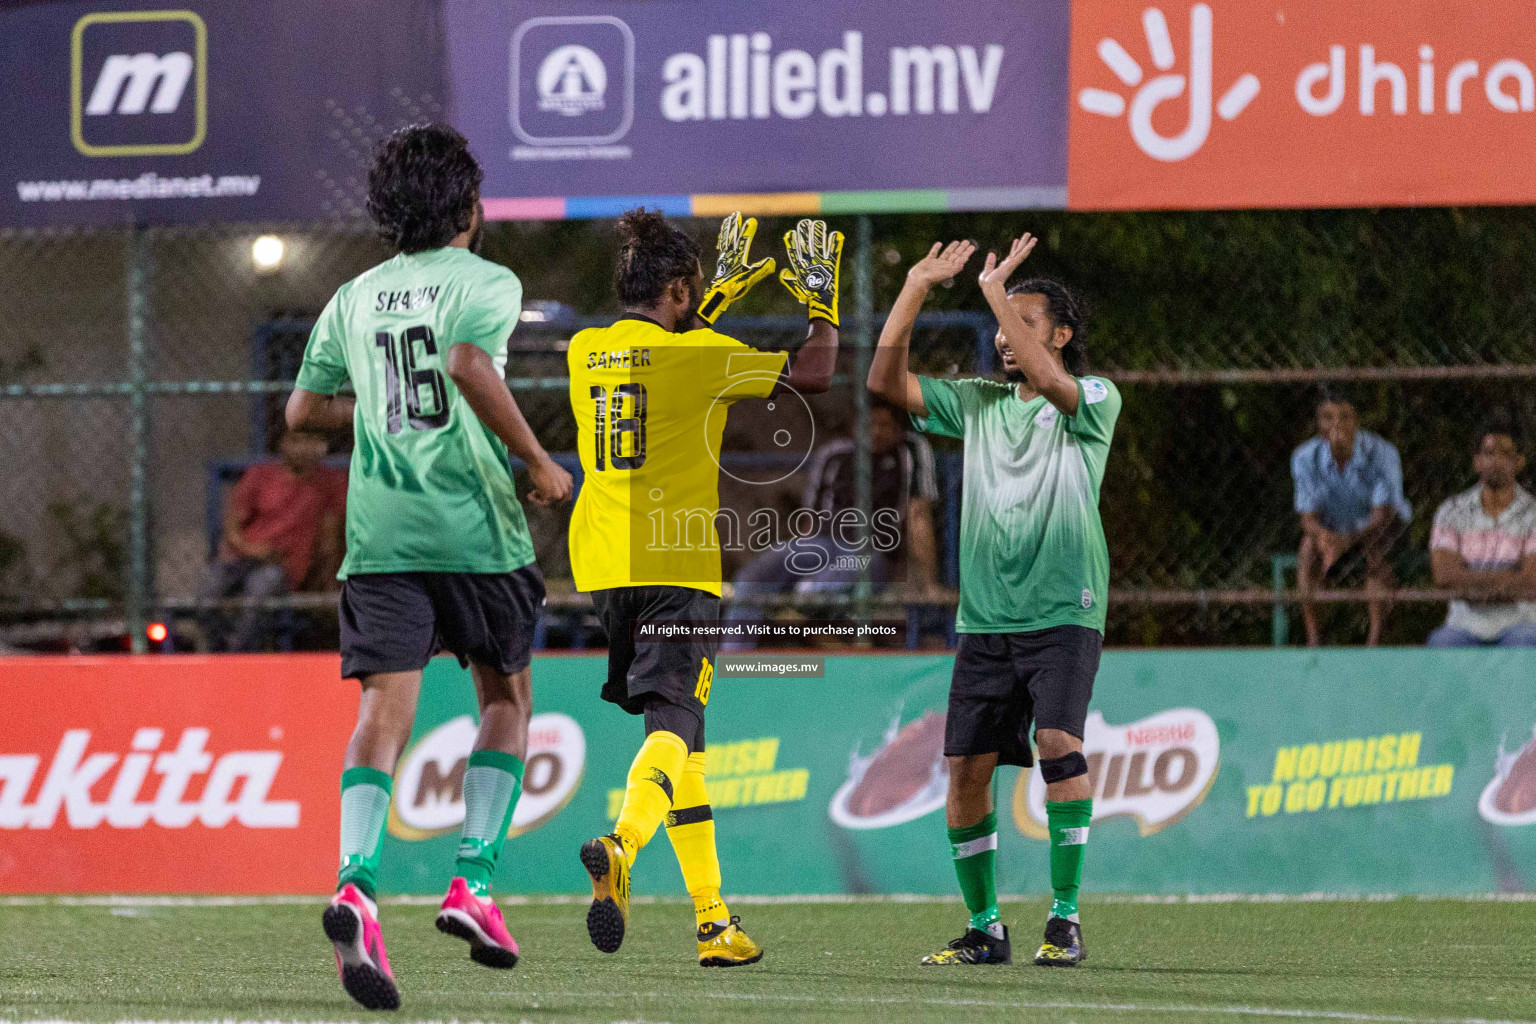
(691, 828)
(648, 795)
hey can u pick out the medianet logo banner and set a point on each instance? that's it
(1226, 103)
(118, 112)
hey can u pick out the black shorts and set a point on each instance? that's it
(667, 681)
(396, 621)
(1003, 681)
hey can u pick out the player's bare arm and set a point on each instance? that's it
(1041, 365)
(474, 372)
(329, 549)
(888, 374)
(811, 368)
(307, 410)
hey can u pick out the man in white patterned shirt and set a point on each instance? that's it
(1485, 541)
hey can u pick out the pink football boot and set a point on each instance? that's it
(478, 922)
(352, 924)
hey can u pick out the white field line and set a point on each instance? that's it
(574, 899)
(1000, 1004)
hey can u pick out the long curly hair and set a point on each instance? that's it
(423, 187)
(652, 254)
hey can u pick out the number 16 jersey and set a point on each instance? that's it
(650, 410)
(430, 489)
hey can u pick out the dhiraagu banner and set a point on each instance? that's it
(1346, 771)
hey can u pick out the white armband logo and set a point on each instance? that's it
(1095, 391)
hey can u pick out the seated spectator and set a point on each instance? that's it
(1485, 541)
(1349, 494)
(282, 532)
(901, 480)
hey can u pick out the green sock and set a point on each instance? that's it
(974, 848)
(364, 810)
(1068, 823)
(491, 786)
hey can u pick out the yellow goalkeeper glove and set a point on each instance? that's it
(734, 276)
(815, 254)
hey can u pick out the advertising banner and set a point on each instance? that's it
(1289, 771)
(122, 112)
(587, 108)
(220, 111)
(1406, 771)
(171, 775)
(1228, 103)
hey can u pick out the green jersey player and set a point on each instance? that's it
(1034, 571)
(438, 554)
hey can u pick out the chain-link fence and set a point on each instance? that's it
(143, 370)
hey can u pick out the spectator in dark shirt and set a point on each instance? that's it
(902, 492)
(282, 533)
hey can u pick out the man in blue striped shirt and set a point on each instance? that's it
(1349, 494)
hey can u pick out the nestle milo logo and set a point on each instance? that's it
(1155, 771)
(429, 783)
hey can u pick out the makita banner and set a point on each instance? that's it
(1229, 103)
(1344, 771)
(184, 775)
(578, 108)
(215, 110)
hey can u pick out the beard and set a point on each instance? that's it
(685, 323)
(1015, 377)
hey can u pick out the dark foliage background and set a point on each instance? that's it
(1217, 325)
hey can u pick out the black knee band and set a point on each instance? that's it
(690, 816)
(1060, 769)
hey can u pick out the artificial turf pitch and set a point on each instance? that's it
(1397, 960)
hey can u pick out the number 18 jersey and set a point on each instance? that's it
(430, 490)
(650, 410)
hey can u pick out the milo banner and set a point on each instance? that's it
(1406, 771)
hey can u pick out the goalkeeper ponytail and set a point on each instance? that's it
(652, 254)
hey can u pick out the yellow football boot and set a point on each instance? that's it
(727, 947)
(605, 861)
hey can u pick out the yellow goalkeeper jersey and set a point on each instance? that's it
(650, 409)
